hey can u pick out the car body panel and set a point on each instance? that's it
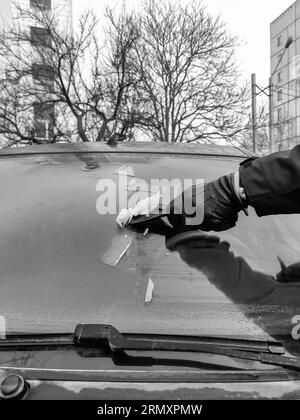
(165, 391)
(162, 388)
(131, 147)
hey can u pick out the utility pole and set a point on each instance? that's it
(254, 111)
(271, 116)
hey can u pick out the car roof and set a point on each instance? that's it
(130, 147)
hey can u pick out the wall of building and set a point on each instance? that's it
(286, 80)
(62, 9)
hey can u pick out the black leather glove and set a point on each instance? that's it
(290, 274)
(221, 206)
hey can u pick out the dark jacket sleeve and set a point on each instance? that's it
(272, 183)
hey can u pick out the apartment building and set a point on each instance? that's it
(43, 113)
(286, 78)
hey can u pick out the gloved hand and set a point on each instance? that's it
(290, 274)
(221, 202)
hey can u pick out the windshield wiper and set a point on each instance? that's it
(94, 334)
(258, 351)
(98, 335)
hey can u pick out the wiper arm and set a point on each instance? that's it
(94, 335)
(263, 352)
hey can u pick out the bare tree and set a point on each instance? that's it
(244, 138)
(168, 71)
(284, 129)
(119, 79)
(281, 128)
(18, 99)
(79, 84)
(189, 81)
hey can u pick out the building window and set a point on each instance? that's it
(280, 131)
(292, 128)
(279, 114)
(44, 74)
(44, 114)
(40, 36)
(279, 95)
(279, 41)
(41, 4)
(41, 129)
(43, 111)
(279, 78)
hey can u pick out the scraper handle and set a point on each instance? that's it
(142, 220)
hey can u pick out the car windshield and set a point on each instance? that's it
(62, 262)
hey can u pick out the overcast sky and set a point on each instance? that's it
(250, 19)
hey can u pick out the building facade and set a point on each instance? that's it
(286, 78)
(43, 114)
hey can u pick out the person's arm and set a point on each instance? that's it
(231, 274)
(272, 183)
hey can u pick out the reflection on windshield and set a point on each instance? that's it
(256, 266)
(272, 302)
